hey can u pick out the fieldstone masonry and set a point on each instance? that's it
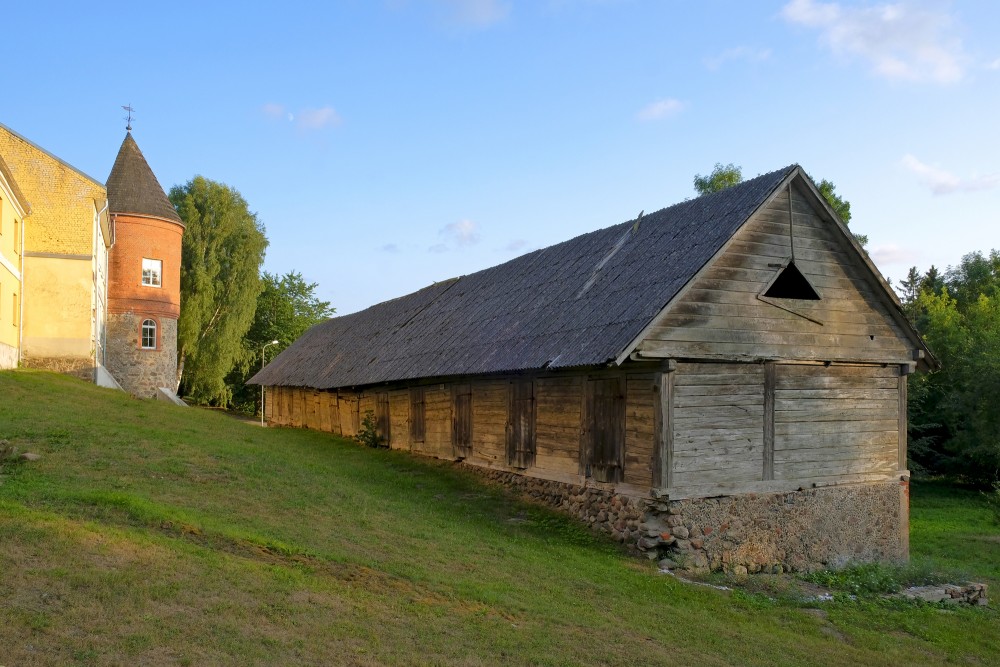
(799, 531)
(141, 372)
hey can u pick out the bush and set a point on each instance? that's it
(368, 434)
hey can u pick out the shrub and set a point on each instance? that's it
(368, 433)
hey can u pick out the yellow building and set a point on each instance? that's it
(13, 210)
(63, 288)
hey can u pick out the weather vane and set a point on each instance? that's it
(128, 119)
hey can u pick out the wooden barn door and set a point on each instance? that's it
(383, 423)
(461, 423)
(605, 424)
(521, 424)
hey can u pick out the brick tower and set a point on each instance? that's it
(144, 277)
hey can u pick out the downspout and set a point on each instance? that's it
(20, 305)
(100, 329)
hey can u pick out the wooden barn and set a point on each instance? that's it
(722, 381)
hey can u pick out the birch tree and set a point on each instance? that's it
(222, 252)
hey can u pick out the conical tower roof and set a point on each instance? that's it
(132, 187)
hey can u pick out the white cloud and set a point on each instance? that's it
(942, 182)
(660, 109)
(739, 53)
(891, 253)
(994, 65)
(461, 234)
(515, 245)
(464, 233)
(476, 13)
(900, 41)
(390, 247)
(317, 119)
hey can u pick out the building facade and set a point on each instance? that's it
(13, 210)
(144, 277)
(722, 381)
(94, 287)
(64, 262)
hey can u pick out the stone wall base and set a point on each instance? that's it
(141, 372)
(75, 366)
(777, 532)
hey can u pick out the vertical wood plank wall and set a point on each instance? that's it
(726, 423)
(557, 425)
(640, 398)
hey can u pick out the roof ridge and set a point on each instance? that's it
(54, 156)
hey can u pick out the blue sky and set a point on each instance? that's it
(388, 144)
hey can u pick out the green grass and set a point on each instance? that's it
(150, 534)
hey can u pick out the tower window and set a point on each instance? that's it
(149, 334)
(791, 284)
(152, 272)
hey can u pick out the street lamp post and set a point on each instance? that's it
(273, 342)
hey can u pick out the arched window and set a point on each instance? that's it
(149, 334)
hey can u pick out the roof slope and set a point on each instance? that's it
(577, 303)
(14, 189)
(133, 188)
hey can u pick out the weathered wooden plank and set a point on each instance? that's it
(769, 401)
(832, 413)
(784, 428)
(902, 417)
(663, 428)
(840, 440)
(653, 349)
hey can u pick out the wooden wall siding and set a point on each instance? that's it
(521, 442)
(461, 420)
(718, 423)
(640, 399)
(836, 422)
(489, 405)
(417, 414)
(399, 418)
(721, 316)
(557, 425)
(348, 406)
(437, 422)
(604, 425)
(383, 424)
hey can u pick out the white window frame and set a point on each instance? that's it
(148, 324)
(152, 272)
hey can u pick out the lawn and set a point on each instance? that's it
(156, 535)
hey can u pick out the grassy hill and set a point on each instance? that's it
(156, 535)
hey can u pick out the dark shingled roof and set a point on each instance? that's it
(577, 303)
(133, 188)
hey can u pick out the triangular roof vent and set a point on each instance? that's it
(791, 284)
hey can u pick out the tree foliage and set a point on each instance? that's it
(222, 251)
(954, 423)
(286, 307)
(727, 175)
(722, 177)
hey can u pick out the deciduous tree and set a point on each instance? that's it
(222, 251)
(286, 307)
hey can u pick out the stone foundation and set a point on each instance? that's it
(75, 366)
(141, 372)
(798, 531)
